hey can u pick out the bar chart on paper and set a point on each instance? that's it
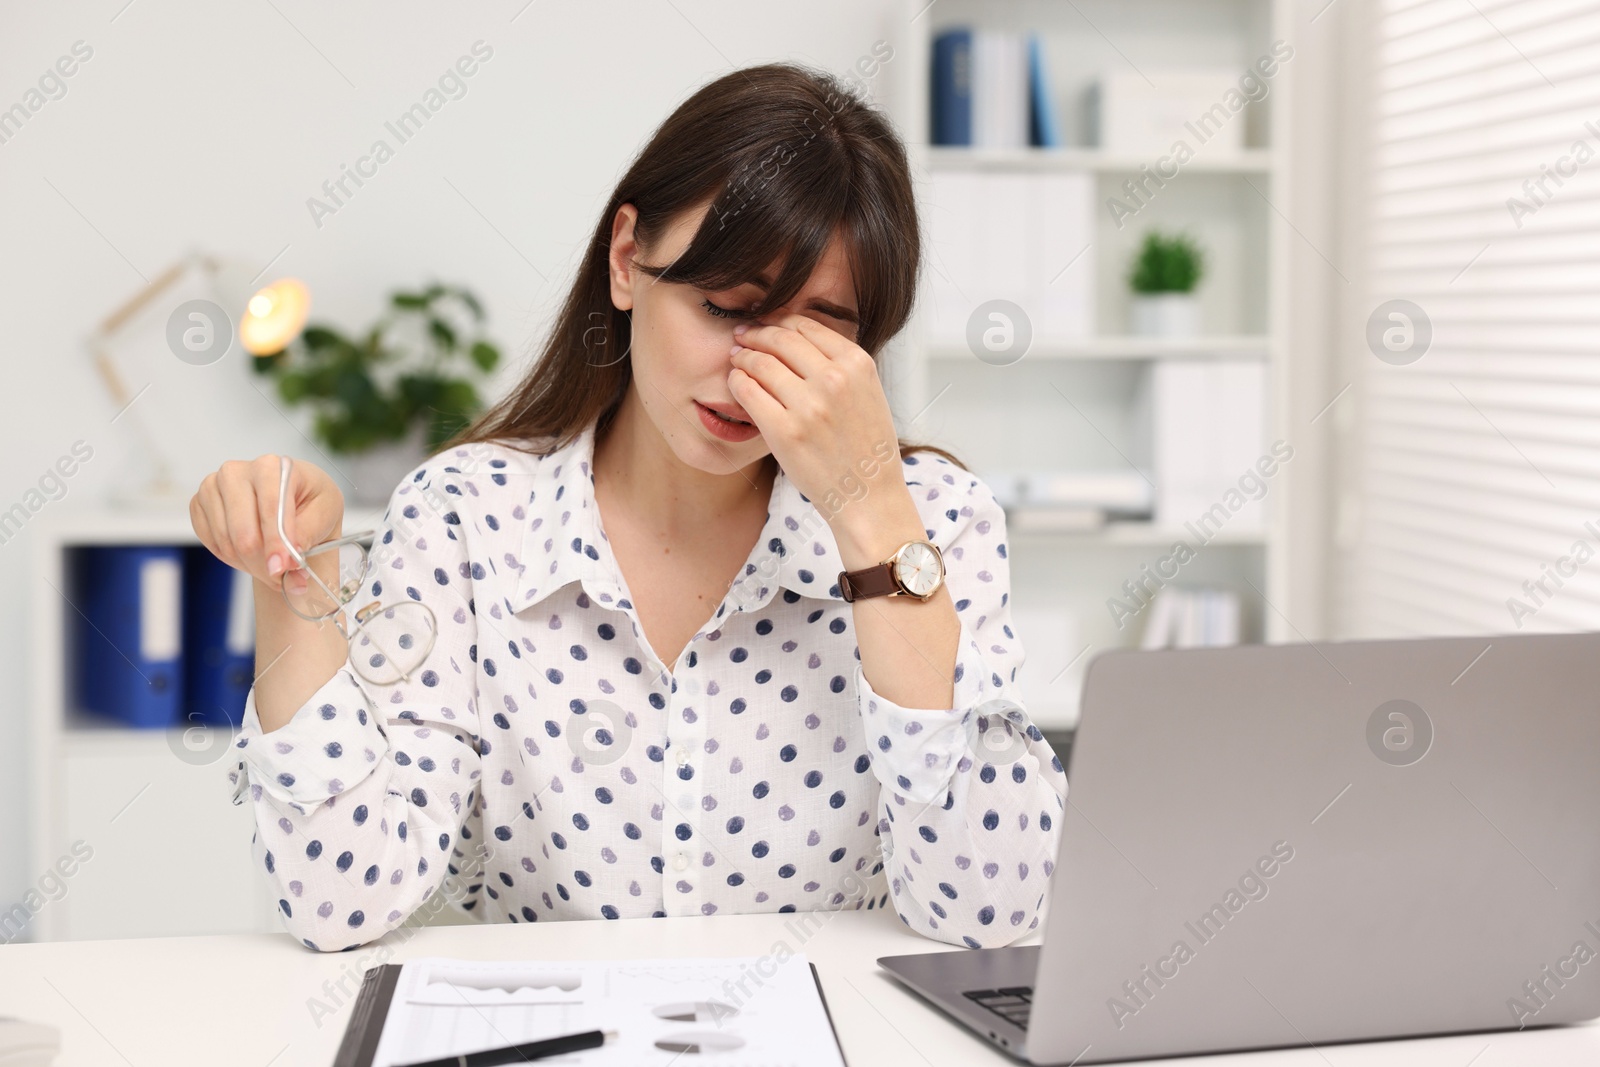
(744, 1012)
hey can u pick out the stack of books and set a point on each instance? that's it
(990, 90)
(1070, 500)
(1192, 618)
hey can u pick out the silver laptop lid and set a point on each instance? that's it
(1292, 844)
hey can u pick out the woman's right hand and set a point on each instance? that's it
(235, 515)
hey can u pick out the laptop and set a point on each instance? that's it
(1283, 845)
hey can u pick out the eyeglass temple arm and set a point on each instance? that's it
(299, 558)
(283, 494)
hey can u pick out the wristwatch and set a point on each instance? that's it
(915, 569)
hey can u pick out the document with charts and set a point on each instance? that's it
(753, 1011)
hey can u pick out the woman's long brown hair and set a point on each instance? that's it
(787, 157)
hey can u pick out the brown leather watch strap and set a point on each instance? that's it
(868, 582)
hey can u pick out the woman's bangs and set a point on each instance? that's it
(758, 217)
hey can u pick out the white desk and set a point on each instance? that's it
(243, 999)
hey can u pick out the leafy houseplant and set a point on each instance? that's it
(1164, 275)
(395, 394)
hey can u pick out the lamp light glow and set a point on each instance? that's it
(274, 317)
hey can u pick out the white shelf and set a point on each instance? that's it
(80, 737)
(945, 157)
(1128, 347)
(1234, 200)
(156, 525)
(1130, 534)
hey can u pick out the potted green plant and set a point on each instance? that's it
(385, 400)
(1165, 272)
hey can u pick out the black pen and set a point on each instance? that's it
(533, 1050)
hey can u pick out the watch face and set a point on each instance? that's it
(918, 569)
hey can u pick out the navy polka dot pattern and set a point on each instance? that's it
(544, 764)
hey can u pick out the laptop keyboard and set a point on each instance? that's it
(1011, 1004)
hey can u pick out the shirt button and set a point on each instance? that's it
(683, 757)
(680, 862)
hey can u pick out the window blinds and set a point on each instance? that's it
(1471, 482)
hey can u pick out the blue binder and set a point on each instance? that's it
(128, 660)
(218, 640)
(952, 87)
(1042, 128)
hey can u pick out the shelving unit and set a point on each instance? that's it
(1143, 348)
(1069, 403)
(1127, 534)
(943, 158)
(117, 788)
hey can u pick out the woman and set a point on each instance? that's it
(683, 664)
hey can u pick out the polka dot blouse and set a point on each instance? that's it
(542, 763)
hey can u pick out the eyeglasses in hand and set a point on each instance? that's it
(388, 643)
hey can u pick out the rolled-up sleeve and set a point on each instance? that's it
(972, 795)
(363, 800)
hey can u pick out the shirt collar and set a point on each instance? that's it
(563, 542)
(795, 551)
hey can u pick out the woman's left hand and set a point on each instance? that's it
(816, 397)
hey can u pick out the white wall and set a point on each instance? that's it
(208, 125)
